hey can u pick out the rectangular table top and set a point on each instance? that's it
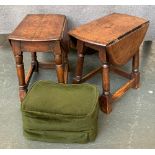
(106, 30)
(39, 27)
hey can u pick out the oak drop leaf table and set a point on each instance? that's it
(40, 33)
(117, 38)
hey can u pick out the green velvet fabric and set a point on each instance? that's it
(60, 113)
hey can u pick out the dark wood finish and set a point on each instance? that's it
(135, 70)
(47, 65)
(123, 89)
(29, 74)
(59, 67)
(108, 29)
(40, 33)
(121, 51)
(34, 61)
(117, 38)
(80, 61)
(106, 96)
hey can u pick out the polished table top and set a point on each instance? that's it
(39, 27)
(107, 29)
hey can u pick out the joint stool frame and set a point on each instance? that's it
(58, 46)
(61, 68)
(117, 38)
(107, 98)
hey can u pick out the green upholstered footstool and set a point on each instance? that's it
(60, 113)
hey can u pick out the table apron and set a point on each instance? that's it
(37, 46)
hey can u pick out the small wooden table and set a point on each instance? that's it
(117, 38)
(40, 33)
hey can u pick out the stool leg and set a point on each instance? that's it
(65, 50)
(135, 70)
(105, 99)
(34, 61)
(21, 75)
(59, 68)
(80, 62)
(66, 58)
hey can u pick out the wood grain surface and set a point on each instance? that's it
(107, 29)
(39, 27)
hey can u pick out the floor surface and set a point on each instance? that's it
(130, 125)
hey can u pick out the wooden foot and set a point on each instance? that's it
(22, 93)
(136, 77)
(76, 80)
(105, 103)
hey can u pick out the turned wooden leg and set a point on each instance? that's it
(34, 61)
(105, 99)
(66, 58)
(135, 70)
(65, 52)
(21, 75)
(59, 68)
(80, 62)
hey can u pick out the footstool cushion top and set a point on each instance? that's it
(49, 97)
(108, 29)
(39, 27)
